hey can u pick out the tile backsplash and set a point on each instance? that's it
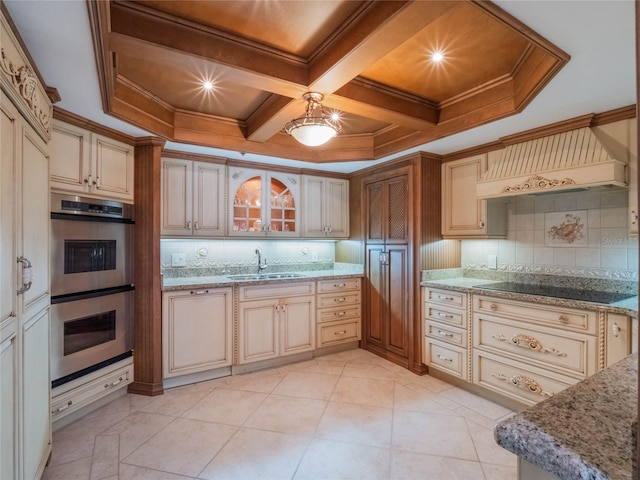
(577, 234)
(202, 253)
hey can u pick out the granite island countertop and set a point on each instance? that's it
(628, 306)
(583, 432)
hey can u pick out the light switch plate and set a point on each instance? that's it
(492, 261)
(178, 260)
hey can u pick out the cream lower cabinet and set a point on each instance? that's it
(275, 320)
(445, 331)
(197, 330)
(338, 314)
(522, 351)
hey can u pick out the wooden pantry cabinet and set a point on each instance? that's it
(197, 330)
(522, 351)
(193, 198)
(89, 164)
(275, 320)
(464, 215)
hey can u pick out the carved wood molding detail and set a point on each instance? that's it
(536, 182)
(26, 84)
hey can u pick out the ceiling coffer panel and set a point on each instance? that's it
(565, 161)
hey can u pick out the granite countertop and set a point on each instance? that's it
(628, 306)
(185, 283)
(583, 432)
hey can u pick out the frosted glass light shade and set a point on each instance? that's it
(313, 135)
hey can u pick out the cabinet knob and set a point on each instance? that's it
(615, 330)
(493, 307)
(481, 224)
(563, 319)
(188, 224)
(633, 217)
(197, 225)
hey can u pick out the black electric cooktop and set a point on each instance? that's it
(558, 292)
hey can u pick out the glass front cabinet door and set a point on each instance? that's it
(263, 203)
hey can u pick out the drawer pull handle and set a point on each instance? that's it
(448, 299)
(114, 383)
(563, 319)
(343, 332)
(615, 329)
(523, 382)
(445, 334)
(339, 314)
(62, 408)
(445, 315)
(532, 343)
(339, 285)
(341, 299)
(446, 359)
(493, 307)
(199, 292)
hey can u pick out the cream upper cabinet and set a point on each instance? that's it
(463, 214)
(192, 198)
(263, 203)
(326, 207)
(86, 163)
(197, 330)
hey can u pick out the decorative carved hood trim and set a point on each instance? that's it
(565, 161)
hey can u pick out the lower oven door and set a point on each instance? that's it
(88, 331)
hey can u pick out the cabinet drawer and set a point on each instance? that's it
(338, 332)
(446, 297)
(339, 299)
(448, 358)
(338, 313)
(72, 400)
(446, 333)
(255, 292)
(565, 318)
(551, 348)
(442, 315)
(515, 380)
(339, 285)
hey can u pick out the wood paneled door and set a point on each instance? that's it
(388, 266)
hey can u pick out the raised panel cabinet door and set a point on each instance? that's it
(35, 220)
(314, 214)
(113, 164)
(36, 415)
(10, 131)
(397, 334)
(70, 149)
(298, 325)
(259, 331)
(208, 197)
(197, 331)
(375, 296)
(177, 197)
(396, 198)
(462, 212)
(8, 399)
(337, 207)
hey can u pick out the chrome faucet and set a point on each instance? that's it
(261, 265)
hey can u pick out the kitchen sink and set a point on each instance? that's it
(265, 276)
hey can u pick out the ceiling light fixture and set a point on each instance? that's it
(315, 127)
(437, 56)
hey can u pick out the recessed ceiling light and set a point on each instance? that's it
(207, 85)
(437, 56)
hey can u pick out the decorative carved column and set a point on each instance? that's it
(147, 330)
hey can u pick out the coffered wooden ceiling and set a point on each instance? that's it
(371, 60)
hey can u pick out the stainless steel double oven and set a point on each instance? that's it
(91, 285)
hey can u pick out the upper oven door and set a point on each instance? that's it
(89, 255)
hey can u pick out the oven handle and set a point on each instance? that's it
(70, 297)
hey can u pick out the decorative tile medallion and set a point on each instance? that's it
(566, 229)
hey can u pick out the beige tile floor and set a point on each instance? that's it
(346, 415)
